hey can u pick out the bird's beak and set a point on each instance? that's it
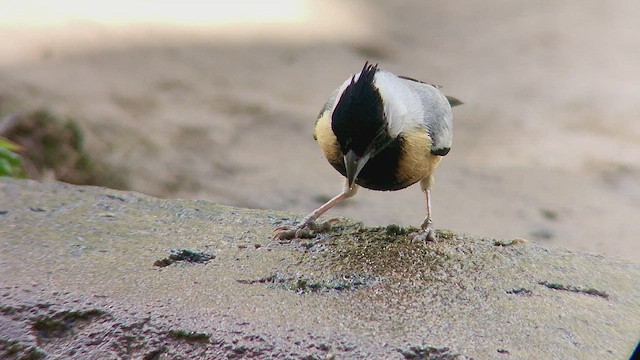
(354, 163)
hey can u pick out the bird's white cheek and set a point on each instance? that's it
(397, 120)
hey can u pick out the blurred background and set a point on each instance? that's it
(218, 102)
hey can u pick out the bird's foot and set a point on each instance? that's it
(426, 232)
(425, 235)
(304, 230)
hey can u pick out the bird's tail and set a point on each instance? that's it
(454, 101)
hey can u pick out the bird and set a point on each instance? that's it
(383, 132)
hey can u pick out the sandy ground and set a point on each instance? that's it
(218, 103)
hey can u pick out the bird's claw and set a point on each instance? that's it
(424, 235)
(284, 233)
(305, 230)
(292, 232)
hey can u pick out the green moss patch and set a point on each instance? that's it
(309, 284)
(428, 352)
(184, 256)
(53, 145)
(59, 324)
(387, 251)
(189, 335)
(575, 289)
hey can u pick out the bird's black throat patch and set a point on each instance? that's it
(381, 171)
(358, 118)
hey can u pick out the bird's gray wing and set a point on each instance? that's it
(418, 81)
(437, 117)
(453, 101)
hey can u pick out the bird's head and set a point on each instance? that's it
(359, 122)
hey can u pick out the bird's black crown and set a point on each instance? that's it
(358, 118)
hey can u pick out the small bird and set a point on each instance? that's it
(382, 132)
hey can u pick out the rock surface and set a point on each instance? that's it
(93, 273)
(181, 101)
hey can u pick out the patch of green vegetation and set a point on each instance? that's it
(308, 284)
(394, 229)
(263, 280)
(83, 315)
(60, 323)
(575, 289)
(184, 255)
(428, 352)
(10, 161)
(519, 291)
(337, 283)
(189, 335)
(511, 242)
(51, 144)
(50, 328)
(384, 251)
(15, 350)
(445, 234)
(351, 256)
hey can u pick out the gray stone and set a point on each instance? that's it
(93, 273)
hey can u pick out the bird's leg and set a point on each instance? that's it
(426, 233)
(308, 223)
(426, 224)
